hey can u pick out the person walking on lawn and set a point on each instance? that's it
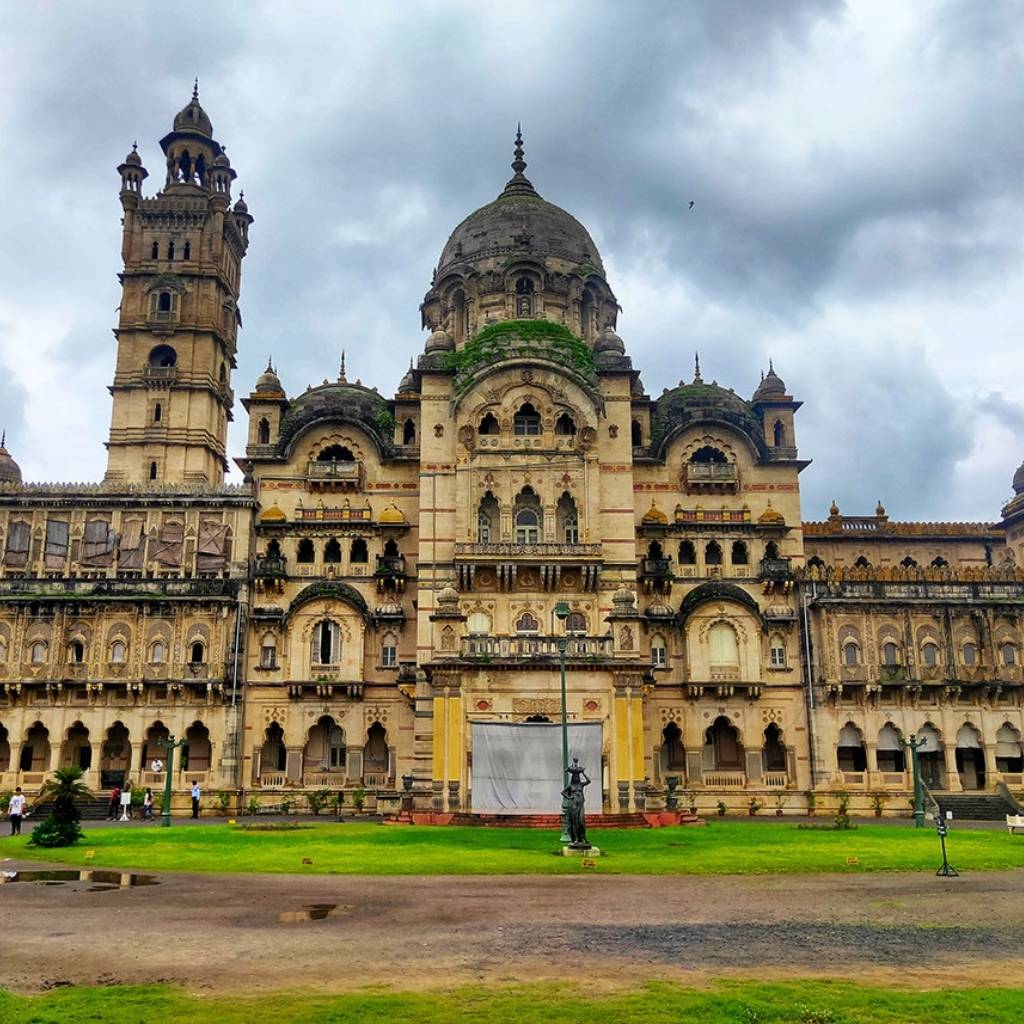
(16, 811)
(196, 793)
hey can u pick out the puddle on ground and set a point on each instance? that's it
(103, 881)
(312, 912)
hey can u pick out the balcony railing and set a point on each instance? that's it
(390, 565)
(717, 477)
(655, 568)
(539, 648)
(505, 549)
(270, 566)
(332, 472)
(776, 568)
(159, 374)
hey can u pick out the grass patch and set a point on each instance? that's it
(723, 1003)
(720, 848)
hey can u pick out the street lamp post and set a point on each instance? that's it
(915, 762)
(170, 745)
(562, 614)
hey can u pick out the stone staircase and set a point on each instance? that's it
(91, 810)
(975, 806)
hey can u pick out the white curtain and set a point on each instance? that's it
(517, 766)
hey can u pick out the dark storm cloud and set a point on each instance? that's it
(857, 198)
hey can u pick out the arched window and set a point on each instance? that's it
(773, 751)
(722, 748)
(1008, 653)
(850, 753)
(460, 317)
(673, 756)
(524, 298)
(740, 556)
(851, 654)
(154, 252)
(268, 651)
(263, 431)
(157, 412)
(890, 654)
(332, 552)
(163, 356)
(528, 517)
(197, 653)
(713, 553)
(777, 652)
(359, 555)
(158, 653)
(196, 756)
(567, 520)
(969, 652)
(708, 454)
(862, 563)
(152, 471)
(478, 624)
(724, 649)
(388, 650)
(118, 652)
(391, 548)
(909, 563)
(527, 623)
(930, 653)
(687, 553)
(326, 643)
(489, 425)
(889, 750)
(779, 434)
(576, 622)
(37, 652)
(487, 518)
(814, 562)
(1008, 749)
(939, 563)
(565, 426)
(336, 453)
(526, 422)
(659, 652)
(636, 434)
(170, 250)
(306, 554)
(771, 550)
(375, 752)
(163, 302)
(76, 652)
(409, 432)
(273, 549)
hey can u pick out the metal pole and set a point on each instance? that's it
(918, 789)
(165, 812)
(565, 837)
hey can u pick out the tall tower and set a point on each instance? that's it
(176, 337)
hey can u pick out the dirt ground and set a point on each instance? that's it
(223, 933)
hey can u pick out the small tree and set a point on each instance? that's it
(60, 827)
(780, 802)
(878, 802)
(358, 799)
(812, 801)
(843, 810)
(223, 801)
(317, 800)
(253, 805)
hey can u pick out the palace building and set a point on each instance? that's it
(383, 604)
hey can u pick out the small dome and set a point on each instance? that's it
(241, 206)
(440, 341)
(880, 509)
(1018, 480)
(390, 609)
(408, 381)
(623, 599)
(268, 381)
(609, 341)
(221, 160)
(654, 515)
(659, 611)
(392, 516)
(193, 118)
(448, 597)
(133, 159)
(273, 515)
(10, 471)
(833, 509)
(771, 515)
(771, 386)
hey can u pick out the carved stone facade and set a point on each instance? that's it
(388, 574)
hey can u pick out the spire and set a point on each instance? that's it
(519, 184)
(341, 375)
(697, 379)
(3, 439)
(771, 368)
(270, 364)
(195, 90)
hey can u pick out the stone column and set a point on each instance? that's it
(952, 775)
(991, 773)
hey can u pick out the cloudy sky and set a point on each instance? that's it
(855, 169)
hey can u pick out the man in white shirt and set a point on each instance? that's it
(195, 798)
(16, 810)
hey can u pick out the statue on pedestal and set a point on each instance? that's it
(573, 793)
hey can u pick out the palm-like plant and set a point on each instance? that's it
(60, 827)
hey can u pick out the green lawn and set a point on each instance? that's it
(726, 847)
(723, 1003)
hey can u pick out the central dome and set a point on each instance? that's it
(520, 221)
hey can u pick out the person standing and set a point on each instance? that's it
(196, 793)
(115, 803)
(126, 802)
(16, 810)
(147, 804)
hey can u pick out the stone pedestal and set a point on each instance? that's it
(568, 851)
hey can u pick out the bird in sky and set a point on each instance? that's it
(691, 205)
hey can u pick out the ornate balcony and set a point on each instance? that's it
(776, 569)
(540, 566)
(656, 574)
(535, 648)
(710, 478)
(334, 475)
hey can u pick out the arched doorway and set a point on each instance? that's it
(273, 756)
(154, 748)
(324, 751)
(850, 753)
(5, 750)
(115, 756)
(375, 752)
(774, 750)
(35, 751)
(722, 748)
(931, 757)
(77, 750)
(1008, 750)
(196, 756)
(673, 755)
(889, 751)
(970, 758)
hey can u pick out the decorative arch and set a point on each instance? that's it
(328, 590)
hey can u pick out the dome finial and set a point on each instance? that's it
(195, 89)
(697, 379)
(341, 375)
(519, 164)
(270, 364)
(3, 439)
(771, 367)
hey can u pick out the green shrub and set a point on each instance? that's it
(358, 799)
(253, 805)
(223, 801)
(286, 805)
(60, 827)
(318, 800)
